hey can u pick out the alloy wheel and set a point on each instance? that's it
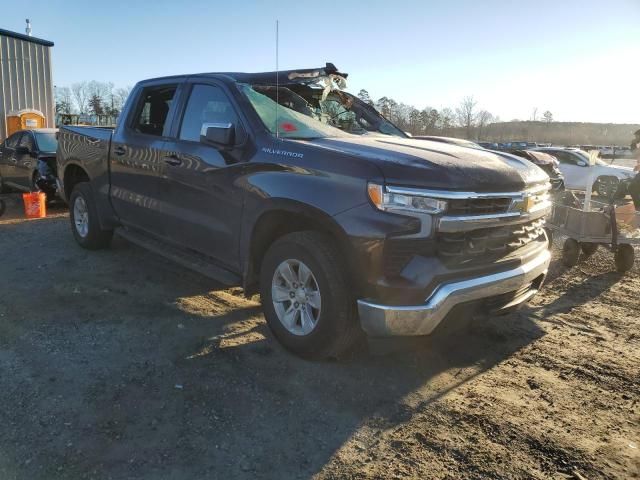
(296, 297)
(81, 216)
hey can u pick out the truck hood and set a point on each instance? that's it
(437, 165)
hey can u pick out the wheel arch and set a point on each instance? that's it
(72, 175)
(75, 173)
(281, 218)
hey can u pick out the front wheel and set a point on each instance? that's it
(307, 298)
(570, 252)
(84, 219)
(624, 258)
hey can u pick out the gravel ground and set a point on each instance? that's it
(121, 365)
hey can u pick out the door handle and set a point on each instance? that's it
(119, 150)
(173, 160)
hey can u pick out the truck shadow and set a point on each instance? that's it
(577, 294)
(159, 368)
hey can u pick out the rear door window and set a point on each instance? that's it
(153, 110)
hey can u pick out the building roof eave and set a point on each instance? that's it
(26, 38)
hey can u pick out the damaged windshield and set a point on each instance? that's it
(287, 120)
(308, 111)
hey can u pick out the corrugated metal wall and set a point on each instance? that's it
(25, 79)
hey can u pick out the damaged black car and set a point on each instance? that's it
(28, 161)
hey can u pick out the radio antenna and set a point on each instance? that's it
(277, 76)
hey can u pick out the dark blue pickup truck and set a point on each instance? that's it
(285, 184)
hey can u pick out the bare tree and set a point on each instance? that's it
(401, 115)
(547, 116)
(415, 126)
(534, 114)
(64, 100)
(484, 118)
(466, 114)
(81, 96)
(100, 94)
(429, 118)
(99, 89)
(384, 107)
(120, 96)
(446, 119)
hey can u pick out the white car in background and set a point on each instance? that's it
(580, 169)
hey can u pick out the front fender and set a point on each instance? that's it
(300, 189)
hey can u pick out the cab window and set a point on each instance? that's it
(153, 111)
(207, 104)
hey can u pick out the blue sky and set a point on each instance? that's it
(580, 59)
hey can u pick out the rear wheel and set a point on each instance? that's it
(570, 252)
(84, 219)
(307, 298)
(624, 258)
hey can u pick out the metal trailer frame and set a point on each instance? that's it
(590, 225)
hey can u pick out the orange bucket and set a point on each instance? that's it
(35, 204)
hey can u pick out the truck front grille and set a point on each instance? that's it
(487, 244)
(466, 248)
(478, 206)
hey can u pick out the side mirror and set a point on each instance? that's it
(21, 150)
(221, 134)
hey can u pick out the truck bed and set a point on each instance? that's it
(89, 149)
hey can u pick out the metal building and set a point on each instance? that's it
(26, 81)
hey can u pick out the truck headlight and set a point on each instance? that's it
(387, 200)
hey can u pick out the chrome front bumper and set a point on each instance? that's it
(384, 320)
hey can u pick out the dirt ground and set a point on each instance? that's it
(119, 364)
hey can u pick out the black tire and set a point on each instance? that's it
(3, 207)
(624, 258)
(95, 238)
(3, 187)
(570, 252)
(588, 249)
(337, 329)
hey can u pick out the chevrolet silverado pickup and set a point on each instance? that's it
(285, 184)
